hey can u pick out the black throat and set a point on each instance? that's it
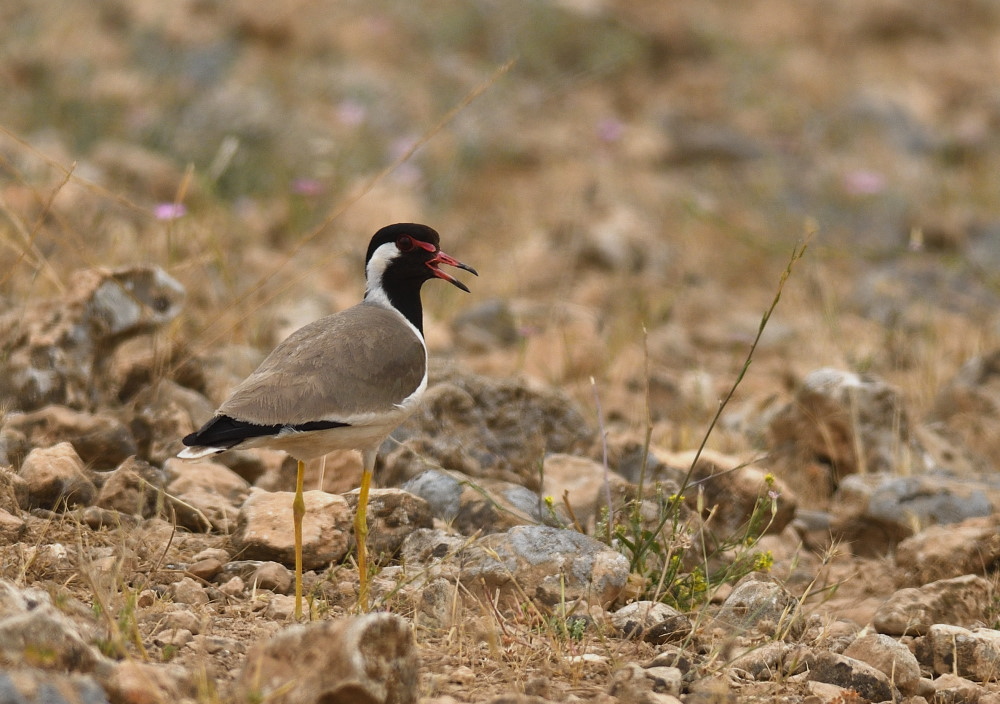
(404, 296)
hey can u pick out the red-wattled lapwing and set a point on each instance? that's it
(341, 382)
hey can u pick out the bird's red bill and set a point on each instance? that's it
(442, 258)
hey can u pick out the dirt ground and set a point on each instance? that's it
(629, 179)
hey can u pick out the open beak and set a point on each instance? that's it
(442, 258)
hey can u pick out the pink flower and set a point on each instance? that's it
(169, 211)
(307, 187)
(351, 113)
(610, 129)
(864, 182)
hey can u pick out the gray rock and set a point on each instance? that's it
(773, 660)
(131, 682)
(912, 611)
(890, 657)
(488, 325)
(870, 683)
(485, 428)
(264, 530)
(952, 689)
(208, 495)
(972, 654)
(370, 658)
(134, 488)
(814, 440)
(944, 551)
(874, 512)
(423, 545)
(55, 477)
(653, 622)
(756, 604)
(33, 632)
(480, 505)
(273, 576)
(633, 683)
(29, 685)
(441, 490)
(101, 440)
(56, 351)
(547, 564)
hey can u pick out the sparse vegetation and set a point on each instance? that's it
(627, 177)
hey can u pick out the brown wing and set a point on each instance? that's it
(363, 360)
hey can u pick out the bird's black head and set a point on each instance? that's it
(408, 254)
(400, 259)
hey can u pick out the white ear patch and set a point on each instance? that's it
(381, 259)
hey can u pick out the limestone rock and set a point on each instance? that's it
(757, 604)
(486, 428)
(815, 439)
(633, 683)
(13, 490)
(55, 476)
(876, 511)
(944, 551)
(101, 440)
(773, 660)
(33, 633)
(29, 684)
(370, 658)
(163, 413)
(479, 505)
(547, 564)
(889, 656)
(264, 530)
(209, 494)
(652, 621)
(968, 407)
(133, 488)
(960, 601)
(732, 490)
(577, 480)
(273, 576)
(134, 682)
(423, 545)
(870, 683)
(56, 351)
(953, 688)
(972, 654)
(11, 527)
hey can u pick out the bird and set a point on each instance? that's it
(342, 382)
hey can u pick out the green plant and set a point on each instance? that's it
(681, 559)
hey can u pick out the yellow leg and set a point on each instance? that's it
(361, 528)
(298, 511)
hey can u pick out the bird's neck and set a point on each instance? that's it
(404, 296)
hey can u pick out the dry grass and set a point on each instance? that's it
(557, 151)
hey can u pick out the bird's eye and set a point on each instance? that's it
(405, 243)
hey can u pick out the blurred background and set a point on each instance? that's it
(629, 178)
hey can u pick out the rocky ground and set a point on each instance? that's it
(638, 475)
